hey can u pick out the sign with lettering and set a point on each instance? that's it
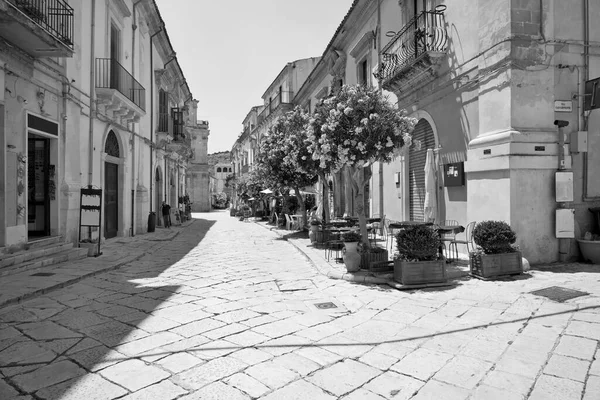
(563, 106)
(454, 174)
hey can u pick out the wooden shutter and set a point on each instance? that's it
(423, 133)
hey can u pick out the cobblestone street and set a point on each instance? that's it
(228, 310)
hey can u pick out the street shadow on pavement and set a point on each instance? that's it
(570, 268)
(225, 349)
(52, 344)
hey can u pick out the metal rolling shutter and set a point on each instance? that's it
(416, 167)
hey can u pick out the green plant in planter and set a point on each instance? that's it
(351, 237)
(418, 261)
(496, 253)
(495, 237)
(418, 243)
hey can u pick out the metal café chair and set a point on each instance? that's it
(449, 238)
(468, 241)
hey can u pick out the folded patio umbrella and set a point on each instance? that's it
(430, 203)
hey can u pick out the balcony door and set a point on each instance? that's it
(115, 56)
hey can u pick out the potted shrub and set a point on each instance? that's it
(351, 256)
(590, 244)
(496, 253)
(314, 228)
(372, 254)
(418, 260)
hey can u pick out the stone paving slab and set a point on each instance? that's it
(200, 318)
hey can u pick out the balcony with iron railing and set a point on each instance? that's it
(281, 103)
(119, 91)
(414, 53)
(42, 28)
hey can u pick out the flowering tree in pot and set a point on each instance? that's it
(353, 129)
(284, 157)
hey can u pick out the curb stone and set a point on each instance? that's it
(333, 274)
(61, 285)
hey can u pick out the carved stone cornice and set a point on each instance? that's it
(363, 44)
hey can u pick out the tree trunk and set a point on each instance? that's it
(302, 207)
(348, 186)
(359, 178)
(325, 198)
(285, 207)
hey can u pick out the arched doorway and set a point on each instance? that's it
(423, 138)
(159, 195)
(111, 185)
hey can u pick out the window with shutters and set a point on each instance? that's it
(177, 116)
(163, 111)
(423, 139)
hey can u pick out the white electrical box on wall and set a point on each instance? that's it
(579, 142)
(564, 186)
(565, 223)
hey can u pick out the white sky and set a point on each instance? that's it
(231, 50)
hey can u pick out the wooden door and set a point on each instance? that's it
(38, 198)
(111, 200)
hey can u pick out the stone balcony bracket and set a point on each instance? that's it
(119, 105)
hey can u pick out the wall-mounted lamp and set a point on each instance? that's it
(21, 99)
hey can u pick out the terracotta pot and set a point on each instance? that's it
(351, 256)
(312, 234)
(590, 250)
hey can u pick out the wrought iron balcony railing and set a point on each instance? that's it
(111, 75)
(281, 98)
(55, 16)
(424, 35)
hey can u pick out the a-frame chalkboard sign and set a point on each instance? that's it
(90, 212)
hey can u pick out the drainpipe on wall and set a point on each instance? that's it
(586, 76)
(378, 39)
(92, 96)
(152, 114)
(133, 175)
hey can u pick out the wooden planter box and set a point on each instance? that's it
(367, 258)
(491, 265)
(420, 272)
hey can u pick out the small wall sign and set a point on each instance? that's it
(454, 174)
(563, 106)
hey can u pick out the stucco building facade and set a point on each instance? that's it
(93, 99)
(486, 81)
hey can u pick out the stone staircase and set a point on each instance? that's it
(39, 254)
